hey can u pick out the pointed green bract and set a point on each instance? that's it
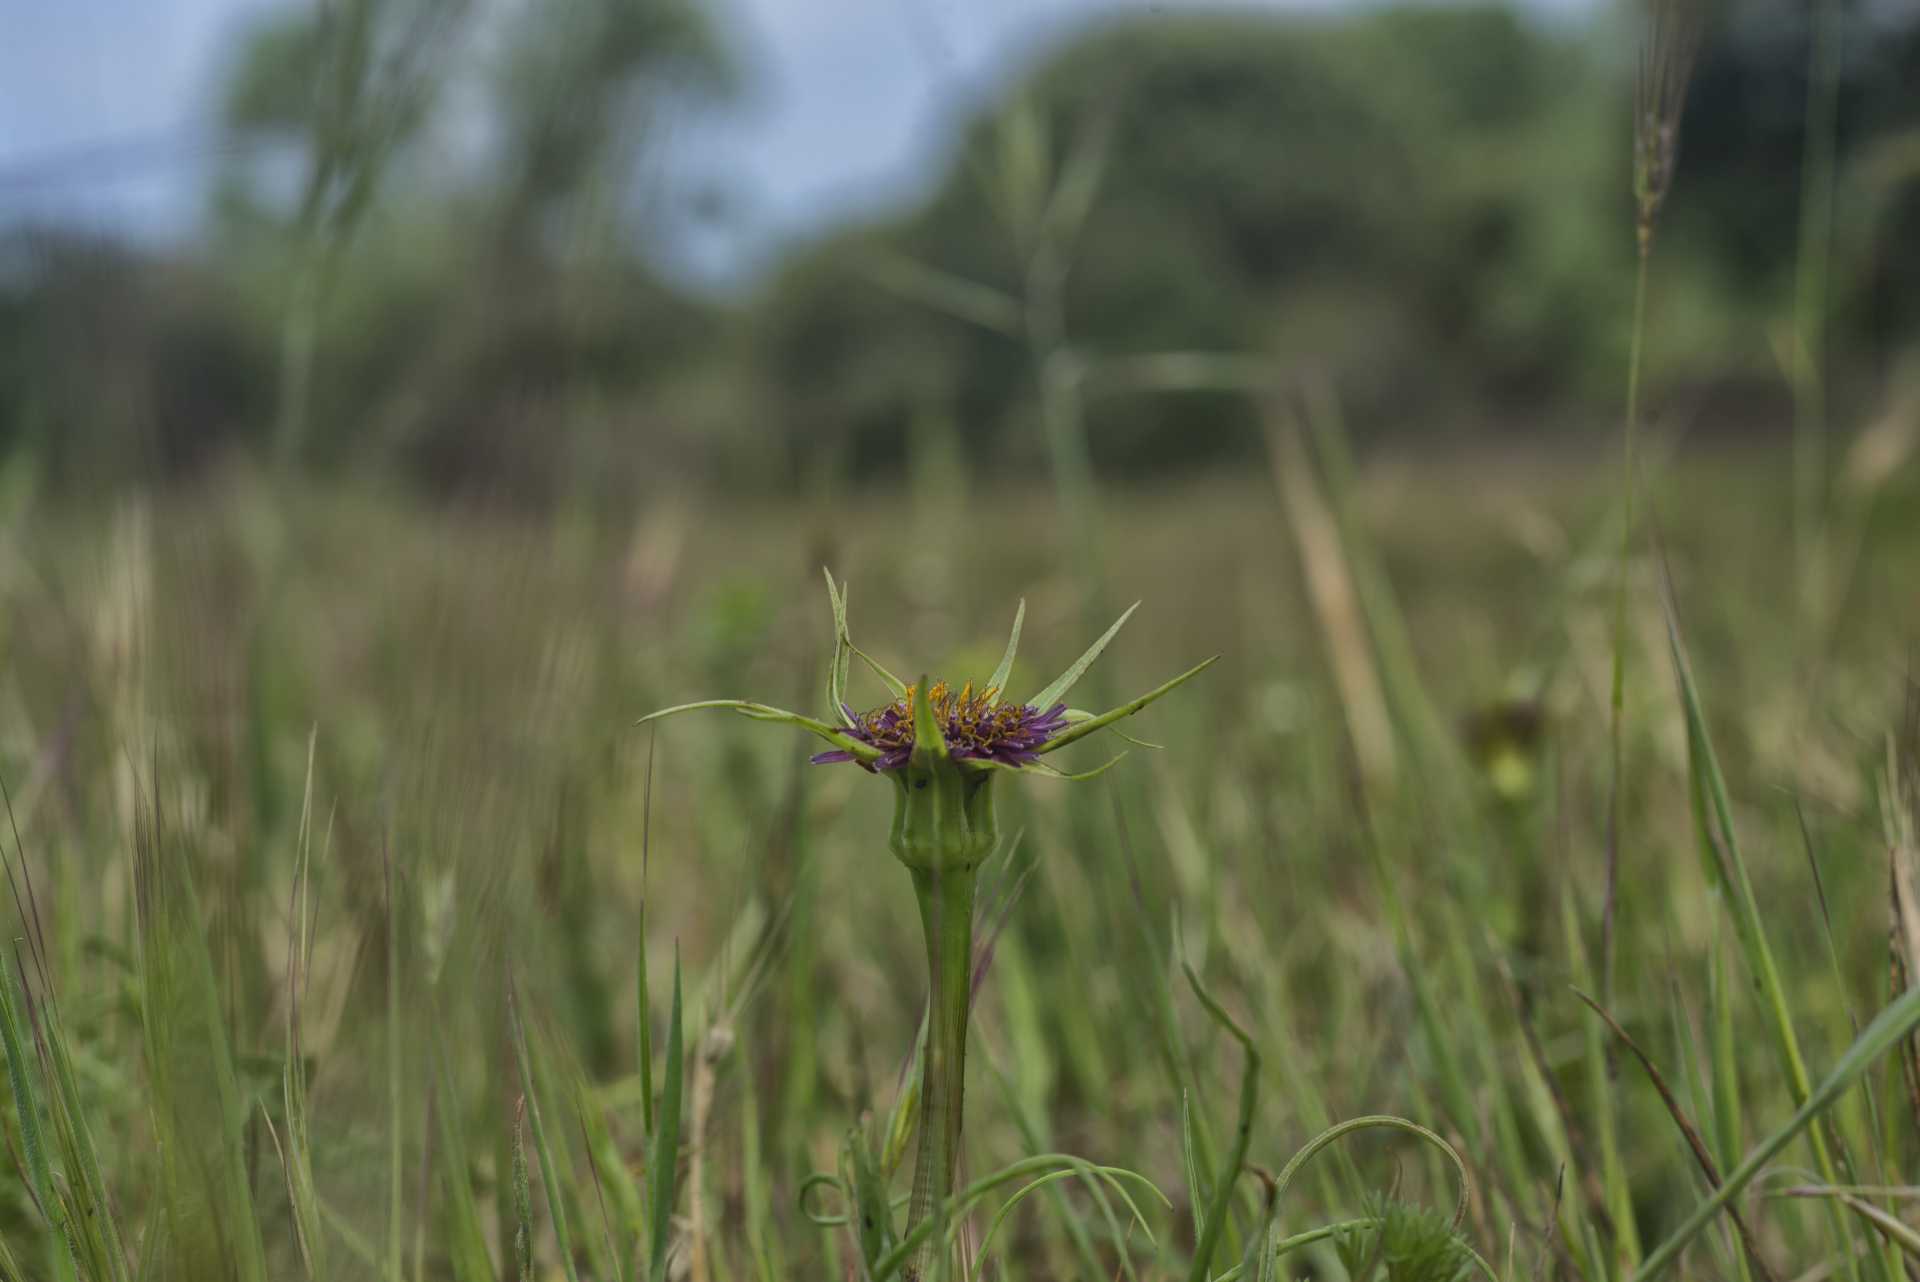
(929, 743)
(842, 652)
(893, 683)
(844, 648)
(764, 712)
(1046, 771)
(1082, 729)
(998, 681)
(1066, 680)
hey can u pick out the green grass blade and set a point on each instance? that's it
(1209, 1237)
(542, 1147)
(1713, 813)
(25, 1102)
(522, 1198)
(465, 1241)
(1884, 1033)
(644, 1017)
(664, 1168)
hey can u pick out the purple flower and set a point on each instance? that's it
(979, 730)
(977, 726)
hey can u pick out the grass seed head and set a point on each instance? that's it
(1669, 44)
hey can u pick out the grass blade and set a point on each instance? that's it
(666, 1140)
(543, 1149)
(1885, 1032)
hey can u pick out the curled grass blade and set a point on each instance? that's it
(1374, 1121)
(1094, 1178)
(954, 1207)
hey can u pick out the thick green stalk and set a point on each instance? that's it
(946, 914)
(943, 830)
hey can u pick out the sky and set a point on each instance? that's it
(105, 108)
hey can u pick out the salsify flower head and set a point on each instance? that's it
(973, 730)
(976, 726)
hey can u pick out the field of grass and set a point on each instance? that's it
(355, 931)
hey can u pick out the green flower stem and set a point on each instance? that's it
(946, 913)
(943, 830)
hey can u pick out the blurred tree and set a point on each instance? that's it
(116, 365)
(555, 313)
(1426, 205)
(337, 89)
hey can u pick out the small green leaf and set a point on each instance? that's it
(1066, 681)
(998, 681)
(1081, 729)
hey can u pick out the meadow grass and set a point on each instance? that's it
(355, 897)
(1528, 892)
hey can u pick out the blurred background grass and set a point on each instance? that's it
(365, 519)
